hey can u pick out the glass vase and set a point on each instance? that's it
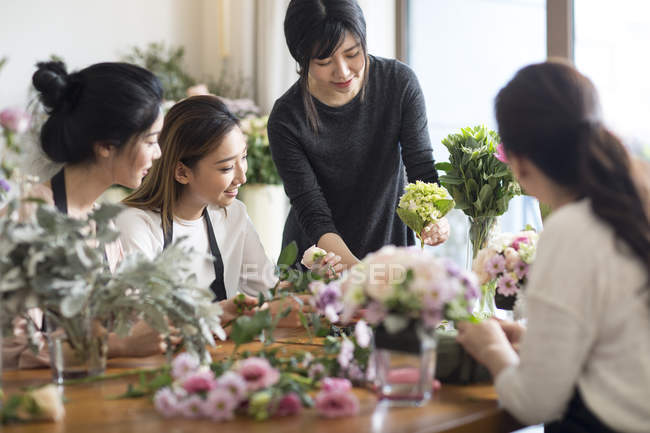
(479, 234)
(78, 346)
(404, 366)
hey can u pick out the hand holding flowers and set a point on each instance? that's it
(422, 208)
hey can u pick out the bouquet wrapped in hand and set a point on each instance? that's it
(422, 208)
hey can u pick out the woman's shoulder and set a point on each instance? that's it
(133, 216)
(390, 70)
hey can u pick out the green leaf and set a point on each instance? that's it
(445, 166)
(411, 219)
(288, 255)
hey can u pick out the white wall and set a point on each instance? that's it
(89, 31)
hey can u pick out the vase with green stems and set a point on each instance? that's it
(480, 182)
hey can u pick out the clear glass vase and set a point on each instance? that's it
(479, 234)
(78, 347)
(405, 365)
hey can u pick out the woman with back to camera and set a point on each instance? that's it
(584, 359)
(343, 134)
(103, 126)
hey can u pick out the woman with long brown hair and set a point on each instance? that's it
(583, 361)
(190, 194)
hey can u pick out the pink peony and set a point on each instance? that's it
(14, 120)
(183, 365)
(501, 153)
(234, 383)
(495, 265)
(289, 404)
(507, 285)
(331, 384)
(518, 240)
(332, 404)
(219, 405)
(166, 403)
(258, 373)
(201, 381)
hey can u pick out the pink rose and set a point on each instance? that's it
(331, 384)
(289, 404)
(333, 404)
(14, 120)
(258, 373)
(201, 381)
(518, 240)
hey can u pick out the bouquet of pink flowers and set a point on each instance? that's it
(503, 266)
(397, 286)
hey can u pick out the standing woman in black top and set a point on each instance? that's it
(344, 135)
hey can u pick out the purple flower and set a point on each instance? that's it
(166, 403)
(289, 404)
(346, 354)
(258, 373)
(469, 281)
(362, 334)
(14, 120)
(496, 265)
(507, 286)
(355, 373)
(333, 404)
(375, 313)
(201, 381)
(4, 185)
(219, 405)
(183, 365)
(191, 407)
(234, 383)
(327, 299)
(331, 384)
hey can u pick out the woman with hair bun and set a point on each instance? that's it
(583, 361)
(103, 126)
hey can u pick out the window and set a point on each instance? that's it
(463, 52)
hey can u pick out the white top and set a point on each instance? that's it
(246, 266)
(588, 326)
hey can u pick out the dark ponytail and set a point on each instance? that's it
(549, 113)
(106, 102)
(314, 29)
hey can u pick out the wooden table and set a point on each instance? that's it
(453, 408)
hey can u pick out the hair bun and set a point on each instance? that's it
(51, 80)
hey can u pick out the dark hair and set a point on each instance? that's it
(105, 102)
(549, 113)
(314, 29)
(193, 128)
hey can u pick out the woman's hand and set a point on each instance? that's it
(237, 306)
(142, 341)
(436, 232)
(488, 344)
(513, 330)
(293, 319)
(329, 266)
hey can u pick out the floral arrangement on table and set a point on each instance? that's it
(57, 263)
(422, 207)
(503, 266)
(478, 179)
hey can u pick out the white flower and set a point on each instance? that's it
(48, 401)
(312, 255)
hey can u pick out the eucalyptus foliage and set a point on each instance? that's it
(57, 263)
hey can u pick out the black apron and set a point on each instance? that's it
(578, 418)
(218, 287)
